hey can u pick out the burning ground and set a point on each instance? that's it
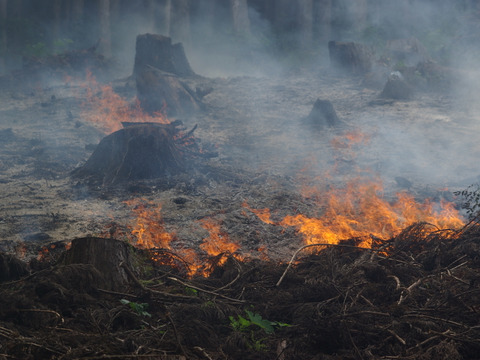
(207, 278)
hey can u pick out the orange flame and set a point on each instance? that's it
(150, 233)
(360, 211)
(106, 110)
(218, 241)
(149, 229)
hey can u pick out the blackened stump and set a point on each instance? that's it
(142, 151)
(165, 93)
(322, 115)
(158, 51)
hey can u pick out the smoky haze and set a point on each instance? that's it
(430, 138)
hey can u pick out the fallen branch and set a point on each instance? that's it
(206, 291)
(290, 263)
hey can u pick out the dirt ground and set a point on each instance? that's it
(266, 155)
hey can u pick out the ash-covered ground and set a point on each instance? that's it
(267, 156)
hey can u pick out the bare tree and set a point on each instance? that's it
(3, 34)
(322, 21)
(305, 22)
(241, 22)
(180, 20)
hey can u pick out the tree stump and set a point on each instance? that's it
(108, 256)
(11, 268)
(158, 51)
(322, 115)
(351, 57)
(164, 93)
(139, 151)
(397, 88)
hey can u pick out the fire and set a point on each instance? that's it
(262, 214)
(149, 229)
(218, 241)
(150, 233)
(106, 110)
(359, 210)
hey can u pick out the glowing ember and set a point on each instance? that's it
(107, 110)
(360, 211)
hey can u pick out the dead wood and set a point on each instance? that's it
(141, 151)
(338, 300)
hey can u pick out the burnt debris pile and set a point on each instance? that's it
(415, 296)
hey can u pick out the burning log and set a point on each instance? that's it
(139, 151)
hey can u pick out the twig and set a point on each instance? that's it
(397, 280)
(206, 291)
(140, 285)
(311, 245)
(175, 332)
(396, 336)
(45, 311)
(408, 290)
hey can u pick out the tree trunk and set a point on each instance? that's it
(305, 22)
(241, 22)
(57, 20)
(3, 35)
(105, 35)
(322, 22)
(180, 21)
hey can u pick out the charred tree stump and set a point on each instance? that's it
(139, 151)
(109, 256)
(397, 88)
(322, 115)
(164, 93)
(11, 268)
(158, 64)
(351, 57)
(158, 51)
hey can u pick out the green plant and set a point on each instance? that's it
(244, 325)
(471, 197)
(140, 309)
(190, 291)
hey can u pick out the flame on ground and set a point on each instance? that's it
(150, 233)
(106, 110)
(359, 211)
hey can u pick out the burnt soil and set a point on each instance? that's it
(414, 296)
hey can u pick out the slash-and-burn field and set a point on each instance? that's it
(390, 272)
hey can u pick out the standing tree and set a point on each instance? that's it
(180, 21)
(3, 34)
(241, 22)
(105, 35)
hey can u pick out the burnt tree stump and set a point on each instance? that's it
(158, 66)
(109, 256)
(351, 57)
(158, 51)
(397, 88)
(164, 93)
(139, 151)
(322, 115)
